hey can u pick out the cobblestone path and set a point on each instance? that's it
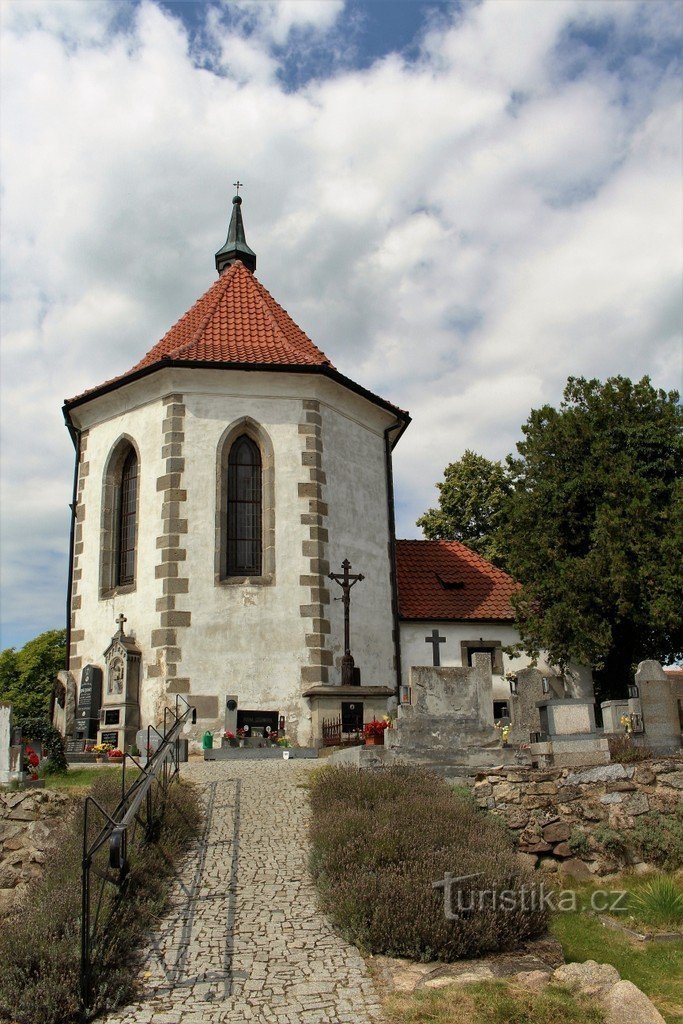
(244, 940)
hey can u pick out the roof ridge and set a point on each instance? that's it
(262, 292)
(222, 280)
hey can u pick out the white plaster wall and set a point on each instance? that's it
(414, 650)
(245, 640)
(356, 492)
(97, 616)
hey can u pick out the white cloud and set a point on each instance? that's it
(459, 233)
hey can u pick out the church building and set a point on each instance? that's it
(219, 482)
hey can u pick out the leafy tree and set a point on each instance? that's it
(595, 528)
(27, 676)
(473, 499)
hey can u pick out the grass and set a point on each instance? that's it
(40, 954)
(492, 1002)
(654, 967)
(81, 778)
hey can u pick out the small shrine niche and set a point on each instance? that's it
(120, 711)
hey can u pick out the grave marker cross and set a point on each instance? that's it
(120, 619)
(435, 640)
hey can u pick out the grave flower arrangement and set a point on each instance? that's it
(100, 750)
(115, 755)
(627, 723)
(374, 732)
(31, 762)
(230, 737)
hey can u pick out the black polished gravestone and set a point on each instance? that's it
(89, 700)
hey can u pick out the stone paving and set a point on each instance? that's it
(244, 940)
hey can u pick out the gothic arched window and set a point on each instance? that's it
(126, 520)
(244, 509)
(118, 553)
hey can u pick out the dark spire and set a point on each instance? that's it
(236, 247)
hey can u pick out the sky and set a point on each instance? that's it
(461, 203)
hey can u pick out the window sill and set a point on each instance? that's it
(246, 581)
(128, 588)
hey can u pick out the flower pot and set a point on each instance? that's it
(98, 759)
(374, 741)
(115, 760)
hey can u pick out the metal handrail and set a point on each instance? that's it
(117, 824)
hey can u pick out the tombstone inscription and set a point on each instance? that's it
(89, 701)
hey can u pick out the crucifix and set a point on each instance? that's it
(121, 618)
(238, 185)
(346, 580)
(435, 640)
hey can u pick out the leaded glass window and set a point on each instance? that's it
(127, 520)
(244, 508)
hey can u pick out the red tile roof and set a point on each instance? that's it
(238, 322)
(429, 572)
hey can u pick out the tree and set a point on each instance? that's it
(27, 676)
(594, 529)
(473, 499)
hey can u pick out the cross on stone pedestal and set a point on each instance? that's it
(346, 580)
(435, 640)
(120, 619)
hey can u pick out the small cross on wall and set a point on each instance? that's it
(435, 640)
(120, 619)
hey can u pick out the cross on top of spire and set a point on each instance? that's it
(236, 247)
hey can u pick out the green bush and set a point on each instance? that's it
(52, 741)
(613, 842)
(578, 843)
(658, 838)
(40, 953)
(382, 838)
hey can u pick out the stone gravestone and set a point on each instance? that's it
(572, 739)
(450, 717)
(524, 713)
(89, 699)
(120, 711)
(612, 713)
(658, 706)
(64, 711)
(10, 754)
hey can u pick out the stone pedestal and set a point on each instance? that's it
(568, 735)
(612, 713)
(326, 704)
(450, 715)
(660, 708)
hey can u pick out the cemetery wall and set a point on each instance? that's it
(28, 819)
(550, 811)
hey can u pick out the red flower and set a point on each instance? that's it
(375, 728)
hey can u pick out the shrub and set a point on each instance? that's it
(658, 838)
(52, 741)
(382, 838)
(40, 954)
(623, 750)
(613, 842)
(578, 843)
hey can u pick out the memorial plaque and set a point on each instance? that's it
(74, 746)
(110, 737)
(112, 716)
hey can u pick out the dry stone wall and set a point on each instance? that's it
(27, 820)
(561, 815)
